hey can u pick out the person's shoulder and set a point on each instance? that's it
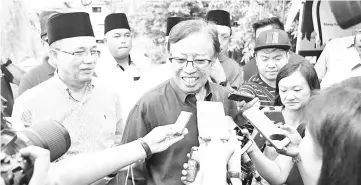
(294, 57)
(154, 94)
(37, 93)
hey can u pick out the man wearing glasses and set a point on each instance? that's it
(193, 48)
(72, 97)
(341, 59)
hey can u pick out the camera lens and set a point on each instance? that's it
(50, 135)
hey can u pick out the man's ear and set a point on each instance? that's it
(53, 56)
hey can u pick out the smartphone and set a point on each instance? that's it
(211, 119)
(275, 115)
(236, 96)
(246, 141)
(266, 127)
(182, 121)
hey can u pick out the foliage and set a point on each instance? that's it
(150, 19)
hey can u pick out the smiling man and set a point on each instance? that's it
(193, 48)
(72, 97)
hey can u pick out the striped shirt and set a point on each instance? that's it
(250, 87)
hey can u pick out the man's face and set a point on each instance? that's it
(195, 47)
(80, 66)
(358, 43)
(119, 42)
(265, 28)
(270, 61)
(224, 35)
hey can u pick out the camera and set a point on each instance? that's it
(18, 170)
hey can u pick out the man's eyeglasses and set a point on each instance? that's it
(195, 63)
(93, 53)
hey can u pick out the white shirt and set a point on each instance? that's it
(91, 122)
(338, 61)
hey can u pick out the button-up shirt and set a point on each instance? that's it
(91, 122)
(338, 61)
(162, 106)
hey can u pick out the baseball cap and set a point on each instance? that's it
(274, 38)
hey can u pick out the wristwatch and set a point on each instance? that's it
(233, 174)
(296, 159)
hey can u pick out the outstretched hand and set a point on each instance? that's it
(162, 137)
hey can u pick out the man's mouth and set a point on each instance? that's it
(190, 80)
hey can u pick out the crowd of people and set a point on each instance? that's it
(121, 118)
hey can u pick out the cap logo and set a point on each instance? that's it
(272, 38)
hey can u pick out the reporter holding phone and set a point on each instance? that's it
(329, 154)
(294, 85)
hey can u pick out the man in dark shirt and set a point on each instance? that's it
(193, 47)
(250, 68)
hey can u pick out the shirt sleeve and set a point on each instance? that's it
(25, 84)
(321, 64)
(21, 115)
(136, 127)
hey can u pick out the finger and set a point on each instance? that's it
(245, 132)
(34, 151)
(185, 166)
(188, 155)
(184, 172)
(175, 139)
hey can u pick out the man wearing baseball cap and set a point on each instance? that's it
(72, 97)
(231, 68)
(272, 51)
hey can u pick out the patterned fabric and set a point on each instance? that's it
(91, 122)
(253, 89)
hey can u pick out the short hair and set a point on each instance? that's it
(186, 28)
(275, 21)
(334, 122)
(307, 71)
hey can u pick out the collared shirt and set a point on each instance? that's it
(91, 122)
(162, 106)
(338, 61)
(37, 75)
(233, 71)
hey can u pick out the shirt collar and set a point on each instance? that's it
(129, 63)
(183, 95)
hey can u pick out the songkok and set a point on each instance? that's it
(115, 21)
(220, 17)
(68, 25)
(172, 21)
(274, 38)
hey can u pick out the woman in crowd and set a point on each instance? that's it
(294, 85)
(330, 151)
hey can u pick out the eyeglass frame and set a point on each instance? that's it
(187, 61)
(83, 55)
